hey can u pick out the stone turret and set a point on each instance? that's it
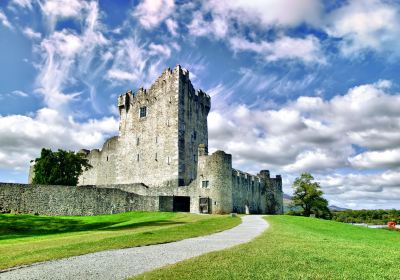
(273, 188)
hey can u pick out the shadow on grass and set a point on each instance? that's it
(15, 226)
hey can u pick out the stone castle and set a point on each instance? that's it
(162, 151)
(158, 162)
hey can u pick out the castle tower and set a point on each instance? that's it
(160, 130)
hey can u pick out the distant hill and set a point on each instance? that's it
(287, 200)
(287, 196)
(337, 208)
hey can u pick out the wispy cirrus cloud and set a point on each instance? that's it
(30, 33)
(4, 20)
(67, 54)
(22, 3)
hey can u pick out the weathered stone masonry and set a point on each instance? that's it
(71, 201)
(161, 153)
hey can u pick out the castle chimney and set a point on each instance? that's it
(203, 150)
(264, 174)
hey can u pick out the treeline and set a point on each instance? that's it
(376, 217)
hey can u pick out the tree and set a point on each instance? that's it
(59, 168)
(308, 195)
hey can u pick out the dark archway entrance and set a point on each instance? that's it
(181, 204)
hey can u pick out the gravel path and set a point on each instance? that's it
(122, 263)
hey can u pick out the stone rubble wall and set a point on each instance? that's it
(249, 193)
(71, 201)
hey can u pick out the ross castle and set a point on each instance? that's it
(162, 151)
(159, 162)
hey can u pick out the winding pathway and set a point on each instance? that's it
(122, 263)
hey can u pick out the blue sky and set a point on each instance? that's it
(296, 85)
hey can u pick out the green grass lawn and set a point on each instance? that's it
(298, 248)
(26, 239)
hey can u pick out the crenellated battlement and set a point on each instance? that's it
(162, 85)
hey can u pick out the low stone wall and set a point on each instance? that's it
(71, 201)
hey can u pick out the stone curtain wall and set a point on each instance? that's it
(248, 191)
(71, 201)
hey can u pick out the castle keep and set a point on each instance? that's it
(158, 162)
(162, 151)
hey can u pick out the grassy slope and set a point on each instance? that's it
(299, 248)
(25, 239)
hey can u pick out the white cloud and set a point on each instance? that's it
(172, 26)
(30, 33)
(116, 74)
(377, 159)
(227, 20)
(23, 136)
(357, 190)
(136, 62)
(316, 160)
(366, 25)
(129, 61)
(158, 49)
(20, 93)
(305, 49)
(4, 20)
(68, 55)
(265, 14)
(27, 4)
(59, 52)
(55, 10)
(218, 27)
(151, 13)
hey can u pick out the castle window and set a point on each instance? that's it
(143, 112)
(107, 158)
(205, 184)
(168, 160)
(137, 141)
(156, 157)
(137, 157)
(194, 157)
(194, 135)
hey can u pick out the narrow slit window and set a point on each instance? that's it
(156, 157)
(138, 157)
(168, 160)
(137, 141)
(143, 112)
